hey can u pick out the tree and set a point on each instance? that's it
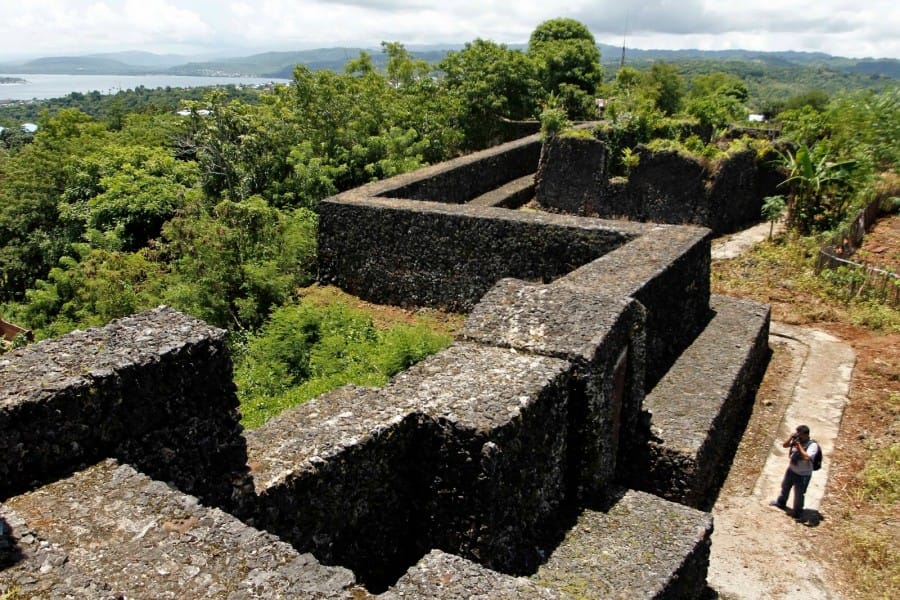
(773, 209)
(32, 237)
(236, 261)
(568, 63)
(667, 86)
(488, 82)
(718, 83)
(125, 194)
(242, 149)
(402, 68)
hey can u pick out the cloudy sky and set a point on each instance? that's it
(63, 27)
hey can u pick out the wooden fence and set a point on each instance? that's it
(881, 284)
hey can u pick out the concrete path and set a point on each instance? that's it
(735, 244)
(819, 398)
(756, 550)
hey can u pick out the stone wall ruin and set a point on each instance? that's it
(666, 186)
(497, 468)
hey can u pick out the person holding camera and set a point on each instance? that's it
(799, 471)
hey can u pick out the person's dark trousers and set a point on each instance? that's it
(799, 483)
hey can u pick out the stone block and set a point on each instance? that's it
(410, 253)
(489, 411)
(637, 547)
(571, 174)
(153, 389)
(111, 532)
(667, 270)
(442, 576)
(602, 337)
(698, 411)
(336, 476)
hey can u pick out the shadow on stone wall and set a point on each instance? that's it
(665, 186)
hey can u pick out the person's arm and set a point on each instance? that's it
(789, 442)
(801, 450)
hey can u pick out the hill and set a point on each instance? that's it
(281, 64)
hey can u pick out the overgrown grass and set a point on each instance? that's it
(781, 272)
(325, 341)
(881, 476)
(876, 561)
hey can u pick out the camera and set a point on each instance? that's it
(794, 439)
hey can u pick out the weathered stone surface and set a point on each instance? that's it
(490, 411)
(414, 253)
(734, 193)
(447, 577)
(571, 174)
(667, 271)
(153, 389)
(373, 479)
(110, 532)
(698, 411)
(603, 338)
(639, 547)
(510, 195)
(665, 186)
(460, 180)
(338, 476)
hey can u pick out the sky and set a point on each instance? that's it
(32, 28)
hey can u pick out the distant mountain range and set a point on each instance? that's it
(281, 64)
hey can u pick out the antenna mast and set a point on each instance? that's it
(624, 34)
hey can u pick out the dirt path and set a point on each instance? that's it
(759, 551)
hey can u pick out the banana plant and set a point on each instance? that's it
(819, 187)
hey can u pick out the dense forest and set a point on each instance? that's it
(118, 204)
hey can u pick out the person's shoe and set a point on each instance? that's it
(776, 504)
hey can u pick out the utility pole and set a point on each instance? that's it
(624, 34)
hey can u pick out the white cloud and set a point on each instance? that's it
(43, 27)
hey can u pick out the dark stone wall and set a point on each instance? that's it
(633, 541)
(734, 198)
(665, 186)
(694, 429)
(667, 271)
(571, 173)
(460, 180)
(110, 532)
(154, 390)
(424, 254)
(668, 187)
(596, 334)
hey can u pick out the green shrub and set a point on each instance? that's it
(881, 475)
(306, 349)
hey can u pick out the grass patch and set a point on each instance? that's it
(876, 561)
(881, 476)
(781, 272)
(327, 340)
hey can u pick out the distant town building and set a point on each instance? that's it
(29, 128)
(756, 118)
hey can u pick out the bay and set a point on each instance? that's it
(41, 87)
